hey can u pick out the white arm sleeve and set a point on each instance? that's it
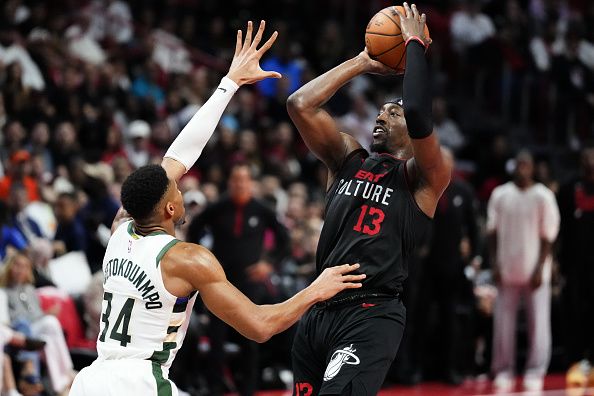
(190, 142)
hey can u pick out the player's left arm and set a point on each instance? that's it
(429, 170)
(244, 69)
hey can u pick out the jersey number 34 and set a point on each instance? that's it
(123, 320)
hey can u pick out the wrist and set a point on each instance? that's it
(312, 295)
(363, 63)
(417, 39)
(230, 82)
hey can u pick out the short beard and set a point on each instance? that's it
(379, 147)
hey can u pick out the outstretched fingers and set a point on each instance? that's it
(267, 44)
(238, 43)
(248, 35)
(258, 35)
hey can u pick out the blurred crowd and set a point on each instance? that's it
(94, 89)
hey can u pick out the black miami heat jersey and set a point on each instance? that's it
(371, 218)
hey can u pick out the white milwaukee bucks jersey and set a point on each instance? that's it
(140, 318)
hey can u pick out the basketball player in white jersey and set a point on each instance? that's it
(151, 278)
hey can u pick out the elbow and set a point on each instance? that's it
(261, 334)
(296, 102)
(263, 338)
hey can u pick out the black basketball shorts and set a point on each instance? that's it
(347, 349)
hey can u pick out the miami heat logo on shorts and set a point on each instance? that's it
(340, 357)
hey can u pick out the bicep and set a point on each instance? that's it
(200, 268)
(321, 135)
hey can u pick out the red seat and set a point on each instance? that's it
(67, 316)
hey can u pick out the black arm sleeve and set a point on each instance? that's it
(416, 92)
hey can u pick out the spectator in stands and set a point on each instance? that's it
(13, 139)
(65, 148)
(19, 172)
(523, 221)
(361, 119)
(70, 230)
(470, 27)
(38, 145)
(448, 131)
(138, 150)
(11, 239)
(573, 73)
(17, 341)
(24, 307)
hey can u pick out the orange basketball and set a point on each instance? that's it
(383, 38)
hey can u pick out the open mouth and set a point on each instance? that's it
(378, 131)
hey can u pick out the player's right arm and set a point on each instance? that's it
(192, 267)
(317, 127)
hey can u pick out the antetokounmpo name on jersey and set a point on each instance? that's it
(132, 272)
(365, 187)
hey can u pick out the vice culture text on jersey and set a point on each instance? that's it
(364, 185)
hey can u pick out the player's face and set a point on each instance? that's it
(390, 127)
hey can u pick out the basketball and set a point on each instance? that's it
(383, 38)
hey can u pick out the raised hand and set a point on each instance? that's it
(374, 67)
(336, 279)
(412, 23)
(245, 67)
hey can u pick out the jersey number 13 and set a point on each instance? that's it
(377, 216)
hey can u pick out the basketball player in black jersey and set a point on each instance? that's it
(378, 205)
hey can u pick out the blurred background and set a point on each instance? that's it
(92, 90)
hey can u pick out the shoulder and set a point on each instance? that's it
(351, 149)
(191, 259)
(504, 188)
(500, 191)
(544, 192)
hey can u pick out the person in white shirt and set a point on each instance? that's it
(469, 26)
(523, 222)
